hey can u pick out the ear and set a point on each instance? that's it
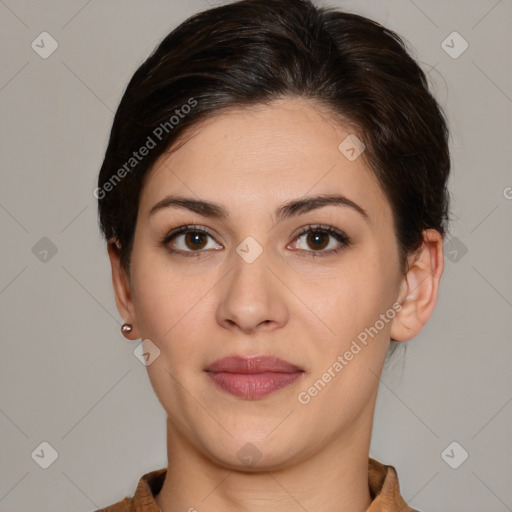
(419, 287)
(122, 288)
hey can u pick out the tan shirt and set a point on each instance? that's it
(382, 480)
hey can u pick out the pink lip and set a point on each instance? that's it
(253, 377)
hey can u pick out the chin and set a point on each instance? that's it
(252, 453)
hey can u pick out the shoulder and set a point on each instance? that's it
(385, 488)
(143, 499)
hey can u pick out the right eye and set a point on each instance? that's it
(190, 239)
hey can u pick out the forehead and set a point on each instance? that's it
(253, 158)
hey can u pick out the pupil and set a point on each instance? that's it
(195, 239)
(317, 239)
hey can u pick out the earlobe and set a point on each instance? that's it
(122, 289)
(419, 287)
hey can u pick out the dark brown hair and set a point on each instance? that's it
(255, 51)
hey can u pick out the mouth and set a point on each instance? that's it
(253, 377)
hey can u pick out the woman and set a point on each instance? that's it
(274, 200)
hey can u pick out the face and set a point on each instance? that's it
(298, 283)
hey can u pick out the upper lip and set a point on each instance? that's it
(254, 364)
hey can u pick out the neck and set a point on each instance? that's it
(333, 479)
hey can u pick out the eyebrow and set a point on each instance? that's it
(287, 210)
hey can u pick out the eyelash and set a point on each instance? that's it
(341, 237)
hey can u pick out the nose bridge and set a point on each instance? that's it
(251, 274)
(251, 264)
(251, 294)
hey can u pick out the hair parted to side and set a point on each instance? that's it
(255, 51)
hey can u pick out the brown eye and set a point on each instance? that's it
(317, 240)
(195, 240)
(188, 240)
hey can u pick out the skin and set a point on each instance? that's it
(286, 303)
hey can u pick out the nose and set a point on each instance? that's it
(252, 298)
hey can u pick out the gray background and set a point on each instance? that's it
(69, 378)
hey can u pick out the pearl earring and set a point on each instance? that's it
(126, 329)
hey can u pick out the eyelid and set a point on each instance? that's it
(186, 229)
(321, 227)
(342, 238)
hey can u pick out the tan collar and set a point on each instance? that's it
(382, 480)
(384, 489)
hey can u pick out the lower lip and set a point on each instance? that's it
(253, 385)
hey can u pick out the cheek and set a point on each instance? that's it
(350, 296)
(160, 293)
(173, 305)
(164, 301)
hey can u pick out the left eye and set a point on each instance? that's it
(320, 239)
